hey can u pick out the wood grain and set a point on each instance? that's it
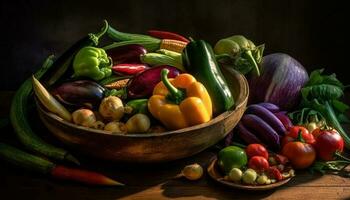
(145, 182)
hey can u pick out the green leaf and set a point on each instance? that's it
(340, 106)
(305, 92)
(343, 119)
(316, 78)
(322, 92)
(332, 80)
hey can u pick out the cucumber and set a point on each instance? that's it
(25, 160)
(19, 119)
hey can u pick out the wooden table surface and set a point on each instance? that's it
(151, 181)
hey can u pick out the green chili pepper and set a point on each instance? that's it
(239, 52)
(199, 60)
(92, 62)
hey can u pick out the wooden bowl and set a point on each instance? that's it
(152, 147)
(214, 173)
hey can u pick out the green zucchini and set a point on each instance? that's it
(49, 74)
(148, 45)
(19, 119)
(25, 160)
(149, 42)
(120, 36)
(156, 59)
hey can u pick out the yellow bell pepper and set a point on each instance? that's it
(180, 102)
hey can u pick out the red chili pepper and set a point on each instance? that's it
(167, 35)
(34, 163)
(83, 176)
(129, 69)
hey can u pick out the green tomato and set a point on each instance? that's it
(232, 157)
(235, 174)
(249, 176)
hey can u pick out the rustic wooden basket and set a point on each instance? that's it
(152, 147)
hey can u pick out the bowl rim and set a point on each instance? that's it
(241, 99)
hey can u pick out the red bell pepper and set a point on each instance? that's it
(129, 69)
(167, 35)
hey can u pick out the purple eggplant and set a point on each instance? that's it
(270, 106)
(268, 117)
(126, 54)
(262, 130)
(79, 93)
(282, 116)
(247, 135)
(142, 84)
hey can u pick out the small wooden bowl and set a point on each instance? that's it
(214, 173)
(152, 147)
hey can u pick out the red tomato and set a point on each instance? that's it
(258, 163)
(274, 173)
(327, 143)
(256, 150)
(292, 135)
(300, 154)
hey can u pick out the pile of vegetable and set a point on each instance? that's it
(138, 84)
(308, 129)
(160, 81)
(253, 165)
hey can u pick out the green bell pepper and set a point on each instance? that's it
(92, 62)
(239, 52)
(199, 60)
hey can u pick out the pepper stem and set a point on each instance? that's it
(95, 37)
(248, 55)
(175, 95)
(300, 137)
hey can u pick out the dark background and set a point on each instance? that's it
(313, 32)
